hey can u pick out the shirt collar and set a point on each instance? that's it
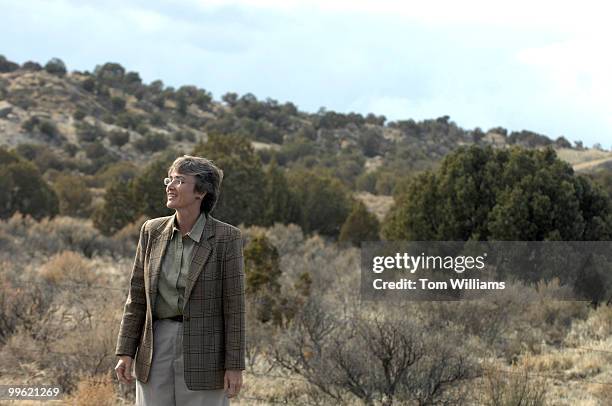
(196, 230)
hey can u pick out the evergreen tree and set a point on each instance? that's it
(360, 225)
(119, 208)
(242, 199)
(262, 269)
(486, 194)
(324, 200)
(281, 204)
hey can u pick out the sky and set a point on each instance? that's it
(542, 66)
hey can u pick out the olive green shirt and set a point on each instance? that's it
(174, 270)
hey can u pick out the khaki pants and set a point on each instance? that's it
(166, 385)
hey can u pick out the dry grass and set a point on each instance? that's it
(94, 390)
(545, 337)
(586, 160)
(376, 204)
(597, 327)
(574, 156)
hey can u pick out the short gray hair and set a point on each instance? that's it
(208, 178)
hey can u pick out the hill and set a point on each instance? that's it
(88, 122)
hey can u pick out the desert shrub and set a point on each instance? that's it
(295, 149)
(151, 143)
(127, 237)
(122, 171)
(94, 390)
(119, 138)
(99, 156)
(68, 267)
(50, 236)
(79, 114)
(25, 191)
(56, 66)
(184, 135)
(89, 133)
(74, 195)
(48, 128)
(71, 149)
(89, 85)
(22, 305)
(48, 159)
(31, 66)
(131, 121)
(6, 65)
(375, 358)
(360, 225)
(30, 124)
(367, 182)
(156, 120)
(42, 126)
(70, 359)
(117, 104)
(55, 348)
(512, 387)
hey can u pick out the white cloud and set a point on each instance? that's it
(586, 15)
(537, 65)
(576, 72)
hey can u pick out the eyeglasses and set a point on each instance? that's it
(180, 181)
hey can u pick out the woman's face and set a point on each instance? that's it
(184, 195)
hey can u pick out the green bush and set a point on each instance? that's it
(122, 171)
(24, 190)
(151, 143)
(56, 66)
(89, 133)
(79, 114)
(6, 65)
(117, 104)
(118, 138)
(74, 196)
(89, 85)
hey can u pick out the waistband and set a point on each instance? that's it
(178, 318)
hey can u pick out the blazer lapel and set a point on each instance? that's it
(201, 254)
(159, 245)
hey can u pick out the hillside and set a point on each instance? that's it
(91, 123)
(118, 104)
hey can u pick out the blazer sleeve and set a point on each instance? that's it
(134, 312)
(234, 303)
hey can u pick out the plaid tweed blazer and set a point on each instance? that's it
(214, 306)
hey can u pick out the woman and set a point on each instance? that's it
(184, 318)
